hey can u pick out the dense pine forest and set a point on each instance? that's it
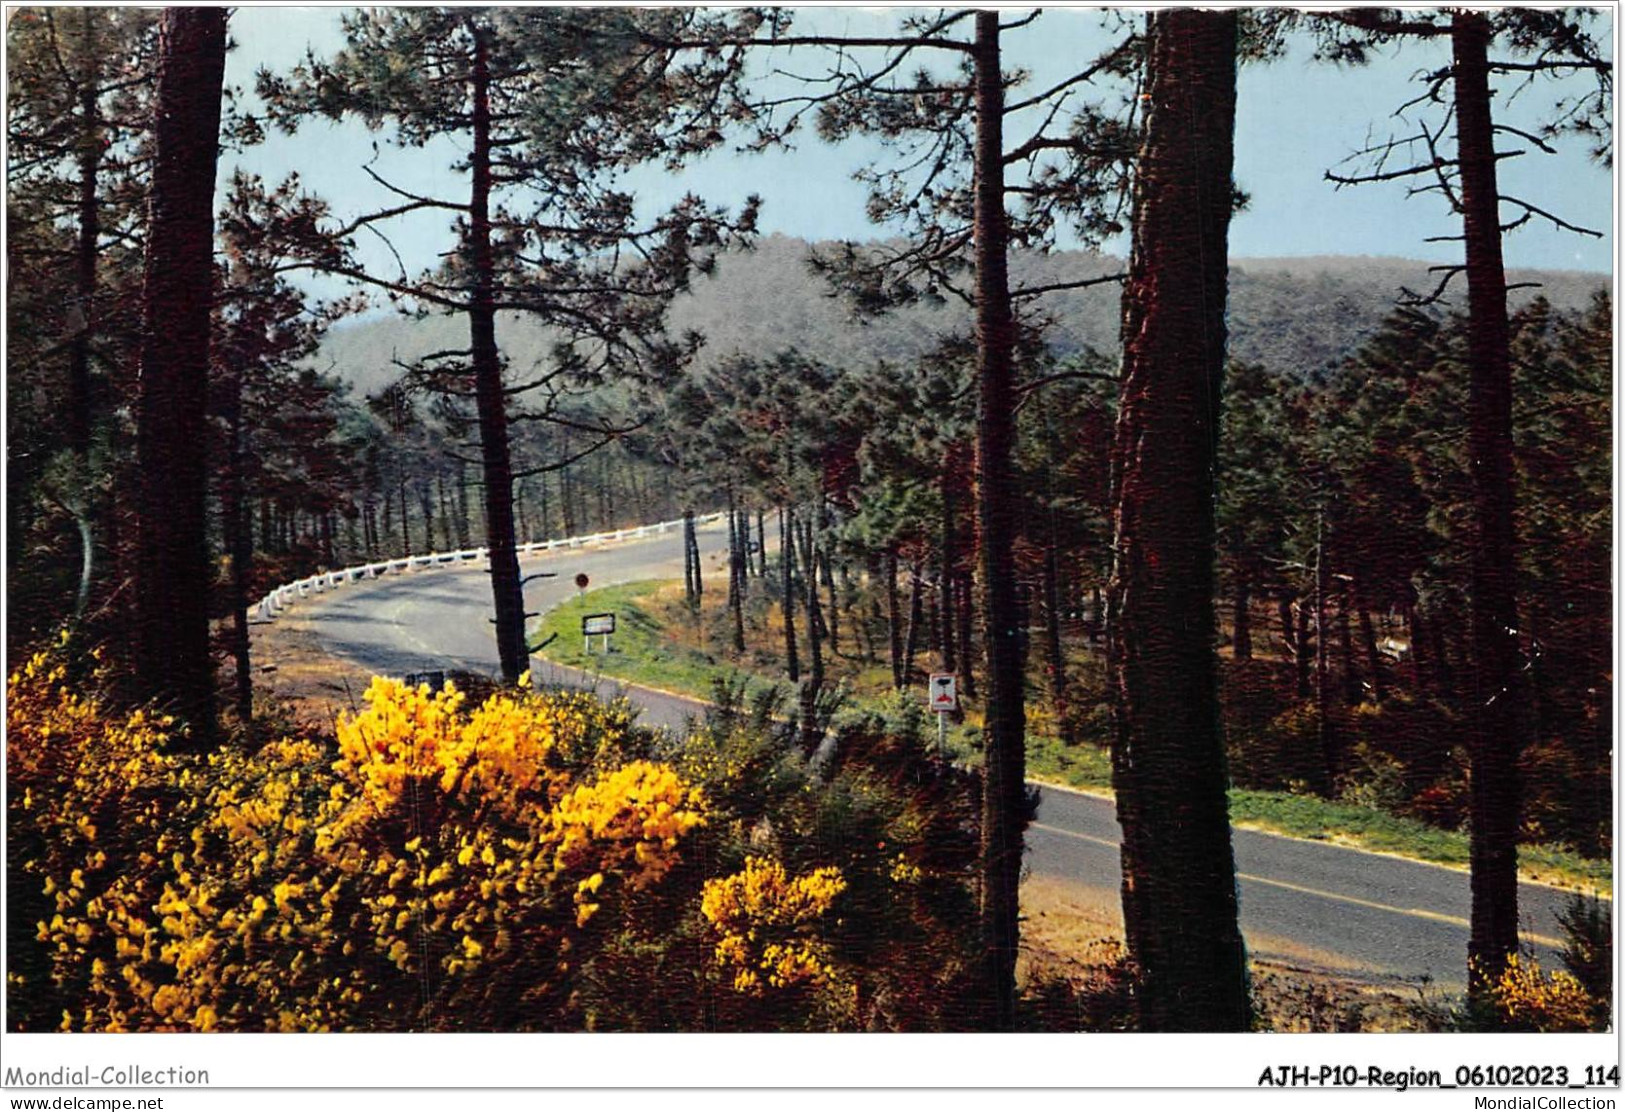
(1338, 529)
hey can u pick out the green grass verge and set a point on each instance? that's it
(1304, 816)
(646, 653)
(642, 652)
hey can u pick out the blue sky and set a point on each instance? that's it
(1295, 119)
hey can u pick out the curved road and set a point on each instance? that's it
(1302, 902)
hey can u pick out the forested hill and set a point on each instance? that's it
(1293, 315)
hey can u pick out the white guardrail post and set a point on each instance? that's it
(281, 597)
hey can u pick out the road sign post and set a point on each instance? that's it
(591, 624)
(942, 694)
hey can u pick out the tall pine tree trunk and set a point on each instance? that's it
(691, 594)
(911, 639)
(88, 247)
(950, 562)
(1004, 809)
(1495, 730)
(463, 541)
(736, 570)
(813, 685)
(406, 519)
(1373, 659)
(894, 620)
(489, 397)
(1053, 650)
(173, 663)
(1283, 614)
(1179, 880)
(833, 619)
(1330, 762)
(1240, 622)
(239, 544)
(787, 562)
(964, 608)
(1303, 647)
(1352, 692)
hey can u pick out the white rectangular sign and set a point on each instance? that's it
(943, 693)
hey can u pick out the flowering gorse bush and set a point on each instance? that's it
(530, 863)
(1526, 998)
(764, 920)
(446, 870)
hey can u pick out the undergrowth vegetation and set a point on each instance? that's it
(537, 862)
(532, 863)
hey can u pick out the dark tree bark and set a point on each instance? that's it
(426, 508)
(911, 639)
(1283, 614)
(787, 562)
(1056, 656)
(694, 561)
(1373, 659)
(1352, 692)
(733, 551)
(406, 521)
(1303, 651)
(447, 538)
(1444, 677)
(1421, 660)
(567, 513)
(81, 419)
(325, 525)
(833, 622)
(1241, 622)
(239, 544)
(964, 611)
(813, 685)
(173, 664)
(691, 588)
(949, 565)
(738, 525)
(894, 620)
(462, 507)
(1331, 764)
(1179, 882)
(1495, 730)
(1004, 802)
(489, 396)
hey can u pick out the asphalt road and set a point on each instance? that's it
(1310, 903)
(1307, 903)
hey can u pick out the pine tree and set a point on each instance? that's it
(1536, 42)
(542, 213)
(173, 662)
(1179, 887)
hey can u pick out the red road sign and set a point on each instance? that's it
(581, 580)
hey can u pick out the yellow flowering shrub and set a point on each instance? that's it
(1526, 998)
(528, 863)
(84, 787)
(767, 924)
(447, 870)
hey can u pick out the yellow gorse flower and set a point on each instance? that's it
(766, 920)
(289, 889)
(1528, 998)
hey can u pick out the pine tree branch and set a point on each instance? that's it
(1535, 210)
(422, 202)
(1056, 287)
(560, 465)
